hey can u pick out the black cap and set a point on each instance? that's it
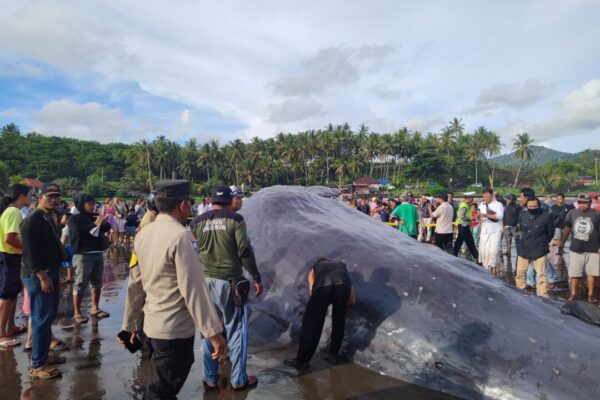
(172, 189)
(50, 188)
(221, 195)
(511, 197)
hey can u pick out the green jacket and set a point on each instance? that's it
(224, 245)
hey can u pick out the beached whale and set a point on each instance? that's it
(422, 316)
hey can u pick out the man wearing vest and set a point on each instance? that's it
(328, 283)
(224, 249)
(463, 218)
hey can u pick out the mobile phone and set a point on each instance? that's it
(125, 336)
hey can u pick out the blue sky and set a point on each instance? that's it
(122, 71)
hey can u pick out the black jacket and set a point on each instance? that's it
(511, 215)
(536, 232)
(80, 237)
(559, 213)
(42, 249)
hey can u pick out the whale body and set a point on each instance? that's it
(422, 315)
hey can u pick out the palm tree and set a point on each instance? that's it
(523, 151)
(493, 147)
(456, 126)
(341, 168)
(447, 139)
(474, 148)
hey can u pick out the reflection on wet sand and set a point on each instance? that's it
(97, 368)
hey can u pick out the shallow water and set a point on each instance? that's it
(97, 368)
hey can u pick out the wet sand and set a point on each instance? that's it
(97, 368)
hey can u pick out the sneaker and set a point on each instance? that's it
(292, 362)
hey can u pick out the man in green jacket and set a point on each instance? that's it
(224, 249)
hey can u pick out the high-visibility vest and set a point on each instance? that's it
(459, 220)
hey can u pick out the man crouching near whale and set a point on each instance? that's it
(328, 283)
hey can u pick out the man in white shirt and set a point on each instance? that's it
(443, 214)
(490, 214)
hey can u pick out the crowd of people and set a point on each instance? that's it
(188, 261)
(537, 228)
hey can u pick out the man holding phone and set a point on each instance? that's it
(490, 215)
(168, 295)
(87, 236)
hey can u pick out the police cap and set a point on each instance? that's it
(172, 189)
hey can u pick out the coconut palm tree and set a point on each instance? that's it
(456, 126)
(493, 147)
(522, 151)
(474, 148)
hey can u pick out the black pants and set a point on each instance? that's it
(314, 318)
(465, 235)
(444, 240)
(169, 367)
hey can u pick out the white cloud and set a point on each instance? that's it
(186, 117)
(511, 95)
(88, 121)
(294, 109)
(9, 112)
(424, 123)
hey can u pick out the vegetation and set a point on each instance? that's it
(333, 155)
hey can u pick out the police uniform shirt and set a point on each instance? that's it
(167, 289)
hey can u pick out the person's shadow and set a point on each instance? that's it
(376, 300)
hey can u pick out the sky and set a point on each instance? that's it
(121, 71)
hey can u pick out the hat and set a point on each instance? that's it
(510, 197)
(172, 189)
(235, 191)
(50, 188)
(221, 195)
(583, 197)
(469, 194)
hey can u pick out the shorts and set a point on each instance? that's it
(557, 234)
(69, 262)
(131, 230)
(10, 276)
(89, 269)
(580, 261)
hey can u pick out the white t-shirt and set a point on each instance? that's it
(443, 215)
(487, 225)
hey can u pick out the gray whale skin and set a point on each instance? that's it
(422, 316)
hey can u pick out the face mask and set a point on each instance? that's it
(533, 210)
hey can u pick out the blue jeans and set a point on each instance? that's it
(550, 274)
(236, 325)
(43, 310)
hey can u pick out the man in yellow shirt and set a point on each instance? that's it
(17, 197)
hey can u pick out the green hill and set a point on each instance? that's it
(540, 156)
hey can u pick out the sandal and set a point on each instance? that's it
(80, 319)
(209, 388)
(19, 330)
(252, 382)
(27, 349)
(44, 372)
(100, 314)
(53, 360)
(592, 300)
(9, 343)
(571, 298)
(59, 346)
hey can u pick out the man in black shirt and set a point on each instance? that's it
(559, 213)
(42, 257)
(363, 206)
(532, 248)
(510, 220)
(86, 234)
(328, 283)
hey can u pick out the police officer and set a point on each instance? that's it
(168, 284)
(328, 283)
(224, 250)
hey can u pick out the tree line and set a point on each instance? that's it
(336, 154)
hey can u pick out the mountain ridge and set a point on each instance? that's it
(540, 155)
